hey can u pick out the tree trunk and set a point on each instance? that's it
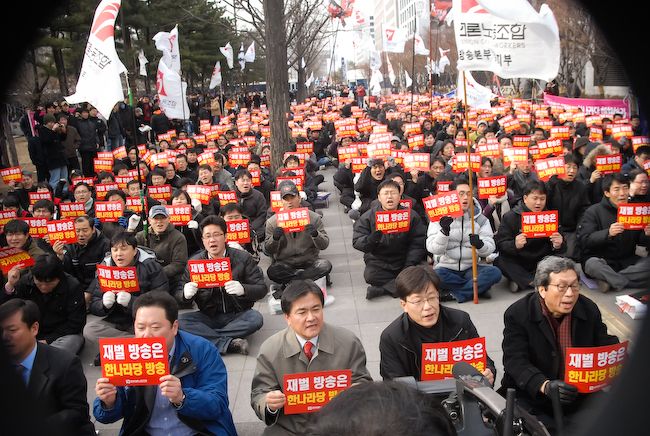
(277, 81)
(301, 91)
(57, 54)
(7, 144)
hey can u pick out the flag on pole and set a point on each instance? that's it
(409, 81)
(99, 82)
(240, 56)
(302, 63)
(391, 72)
(528, 41)
(420, 48)
(216, 76)
(228, 53)
(443, 62)
(375, 82)
(167, 42)
(374, 58)
(309, 81)
(171, 92)
(478, 96)
(394, 39)
(143, 63)
(249, 56)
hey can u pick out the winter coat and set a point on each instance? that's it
(160, 123)
(71, 142)
(81, 261)
(595, 190)
(571, 200)
(54, 152)
(296, 248)
(254, 207)
(88, 131)
(170, 247)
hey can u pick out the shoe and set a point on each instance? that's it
(322, 167)
(329, 300)
(276, 291)
(445, 295)
(238, 346)
(513, 286)
(491, 257)
(485, 295)
(346, 209)
(374, 292)
(603, 286)
(97, 360)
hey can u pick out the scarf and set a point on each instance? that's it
(561, 328)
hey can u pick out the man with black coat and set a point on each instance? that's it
(89, 142)
(252, 202)
(51, 134)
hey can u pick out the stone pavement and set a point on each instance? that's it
(367, 319)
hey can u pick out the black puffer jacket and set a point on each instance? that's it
(88, 131)
(54, 152)
(212, 301)
(254, 207)
(570, 199)
(81, 261)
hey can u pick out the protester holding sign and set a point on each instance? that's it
(16, 234)
(641, 155)
(589, 175)
(251, 201)
(424, 321)
(538, 330)
(191, 399)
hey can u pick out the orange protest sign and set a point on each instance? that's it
(134, 361)
(276, 201)
(634, 216)
(446, 204)
(305, 147)
(6, 216)
(199, 192)
(547, 168)
(103, 165)
(412, 129)
(119, 152)
(622, 131)
(406, 203)
(460, 165)
(609, 164)
(159, 193)
(439, 358)
(35, 196)
(297, 180)
(205, 158)
(358, 164)
(11, 257)
(308, 392)
(37, 227)
(102, 188)
(640, 141)
(226, 197)
(510, 124)
(108, 211)
(239, 231)
(180, 215)
(62, 230)
(394, 221)
(133, 175)
(378, 150)
(443, 186)
(210, 273)
(592, 368)
(364, 125)
(117, 279)
(646, 166)
(561, 132)
(491, 187)
(379, 128)
(490, 149)
(346, 153)
(544, 123)
(122, 181)
(415, 141)
(416, 161)
(521, 140)
(399, 156)
(517, 156)
(72, 210)
(293, 220)
(539, 224)
(549, 146)
(134, 203)
(11, 174)
(256, 177)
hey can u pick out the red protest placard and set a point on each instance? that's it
(490, 149)
(134, 203)
(550, 146)
(117, 279)
(119, 153)
(511, 125)
(416, 161)
(206, 158)
(622, 131)
(380, 137)
(415, 141)
(180, 215)
(378, 150)
(35, 196)
(491, 186)
(544, 123)
(308, 392)
(412, 129)
(646, 166)
(37, 226)
(226, 197)
(210, 273)
(517, 156)
(362, 147)
(394, 221)
(133, 174)
(62, 230)
(379, 128)
(445, 204)
(443, 186)
(11, 257)
(122, 181)
(407, 203)
(108, 211)
(592, 368)
(346, 153)
(539, 224)
(609, 164)
(299, 172)
(237, 159)
(639, 141)
(276, 201)
(399, 155)
(159, 193)
(72, 210)
(460, 165)
(358, 164)
(439, 358)
(13, 173)
(634, 216)
(297, 180)
(547, 168)
(134, 361)
(103, 165)
(305, 147)
(561, 132)
(256, 177)
(521, 140)
(102, 188)
(293, 220)
(199, 192)
(6, 216)
(364, 125)
(239, 231)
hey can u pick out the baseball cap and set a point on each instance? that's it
(158, 210)
(287, 187)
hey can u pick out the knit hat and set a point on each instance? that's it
(49, 118)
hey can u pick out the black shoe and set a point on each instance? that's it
(446, 296)
(277, 290)
(374, 292)
(97, 360)
(238, 346)
(485, 295)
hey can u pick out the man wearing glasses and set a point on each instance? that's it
(538, 330)
(424, 321)
(225, 315)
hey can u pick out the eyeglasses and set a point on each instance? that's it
(420, 303)
(563, 288)
(212, 236)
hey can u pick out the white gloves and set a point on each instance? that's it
(123, 298)
(236, 245)
(133, 222)
(303, 195)
(192, 225)
(108, 300)
(196, 204)
(190, 289)
(233, 287)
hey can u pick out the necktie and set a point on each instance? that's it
(308, 347)
(20, 370)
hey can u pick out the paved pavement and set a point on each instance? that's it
(367, 319)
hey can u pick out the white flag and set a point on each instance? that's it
(302, 63)
(375, 82)
(443, 62)
(420, 48)
(143, 63)
(478, 96)
(167, 42)
(310, 80)
(250, 53)
(409, 81)
(99, 82)
(374, 59)
(508, 38)
(391, 72)
(228, 53)
(240, 56)
(394, 39)
(216, 76)
(171, 92)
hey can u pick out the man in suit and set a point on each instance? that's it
(308, 344)
(56, 385)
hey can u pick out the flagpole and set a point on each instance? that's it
(385, 67)
(471, 194)
(329, 72)
(431, 52)
(413, 67)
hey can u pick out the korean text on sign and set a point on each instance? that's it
(492, 186)
(35, 196)
(417, 161)
(134, 361)
(439, 358)
(226, 197)
(517, 156)
(199, 192)
(117, 279)
(609, 164)
(37, 227)
(308, 392)
(6, 216)
(395, 221)
(102, 189)
(103, 165)
(11, 257)
(547, 168)
(210, 273)
(11, 174)
(180, 215)
(446, 204)
(239, 231)
(276, 201)
(634, 216)
(108, 211)
(539, 224)
(293, 220)
(159, 193)
(592, 368)
(134, 203)
(62, 230)
(550, 146)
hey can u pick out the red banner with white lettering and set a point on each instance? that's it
(609, 164)
(160, 193)
(308, 392)
(439, 358)
(239, 231)
(180, 215)
(226, 197)
(11, 257)
(416, 161)
(210, 273)
(394, 221)
(37, 227)
(590, 369)
(634, 216)
(550, 146)
(117, 279)
(539, 224)
(72, 210)
(108, 211)
(492, 187)
(62, 230)
(134, 361)
(103, 165)
(11, 174)
(102, 189)
(446, 204)
(547, 168)
(35, 196)
(293, 220)
(199, 192)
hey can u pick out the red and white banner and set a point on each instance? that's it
(550, 146)
(117, 279)
(102, 188)
(634, 216)
(547, 168)
(590, 369)
(416, 161)
(308, 392)
(108, 211)
(134, 361)
(179, 215)
(62, 230)
(492, 187)
(35, 196)
(72, 210)
(11, 174)
(445, 204)
(539, 224)
(293, 220)
(37, 226)
(199, 192)
(239, 231)
(609, 164)
(439, 358)
(210, 273)
(394, 221)
(11, 257)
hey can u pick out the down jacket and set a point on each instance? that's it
(455, 250)
(296, 248)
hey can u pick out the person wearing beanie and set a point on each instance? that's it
(579, 147)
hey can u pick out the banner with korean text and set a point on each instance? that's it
(438, 359)
(134, 361)
(308, 392)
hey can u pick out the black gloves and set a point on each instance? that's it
(278, 233)
(375, 236)
(445, 224)
(476, 241)
(312, 230)
(568, 393)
